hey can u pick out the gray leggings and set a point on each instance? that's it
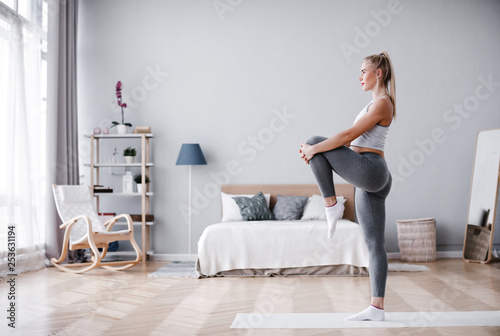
(368, 172)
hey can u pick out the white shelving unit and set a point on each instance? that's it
(145, 165)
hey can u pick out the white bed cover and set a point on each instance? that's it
(279, 244)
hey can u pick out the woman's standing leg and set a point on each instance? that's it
(370, 209)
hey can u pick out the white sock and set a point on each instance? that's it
(333, 213)
(371, 313)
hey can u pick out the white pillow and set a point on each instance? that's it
(231, 210)
(315, 208)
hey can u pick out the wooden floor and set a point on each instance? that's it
(50, 302)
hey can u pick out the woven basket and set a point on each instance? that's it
(477, 243)
(417, 239)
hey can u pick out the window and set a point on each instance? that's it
(23, 114)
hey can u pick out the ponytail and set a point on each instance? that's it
(383, 62)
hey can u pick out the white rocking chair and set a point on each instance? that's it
(84, 229)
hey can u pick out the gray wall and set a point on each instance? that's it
(250, 80)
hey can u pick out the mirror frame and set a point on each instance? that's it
(489, 257)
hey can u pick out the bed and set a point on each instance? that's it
(283, 247)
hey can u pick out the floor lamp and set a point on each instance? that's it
(190, 155)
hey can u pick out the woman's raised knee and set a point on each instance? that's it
(315, 140)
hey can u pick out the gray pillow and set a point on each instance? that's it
(254, 208)
(289, 207)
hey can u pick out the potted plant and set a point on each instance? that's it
(121, 128)
(138, 181)
(129, 153)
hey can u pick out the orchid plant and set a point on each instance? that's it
(121, 104)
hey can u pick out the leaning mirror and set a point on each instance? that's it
(479, 233)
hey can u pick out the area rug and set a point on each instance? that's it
(186, 269)
(176, 269)
(401, 267)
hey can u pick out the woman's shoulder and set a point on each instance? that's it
(383, 108)
(384, 103)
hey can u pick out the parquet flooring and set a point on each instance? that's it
(101, 302)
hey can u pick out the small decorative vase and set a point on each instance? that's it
(121, 129)
(129, 159)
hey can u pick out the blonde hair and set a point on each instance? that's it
(383, 62)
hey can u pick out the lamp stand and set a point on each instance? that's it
(190, 154)
(189, 222)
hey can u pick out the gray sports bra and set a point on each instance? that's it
(373, 138)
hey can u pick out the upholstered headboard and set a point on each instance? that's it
(346, 190)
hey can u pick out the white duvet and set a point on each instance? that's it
(279, 244)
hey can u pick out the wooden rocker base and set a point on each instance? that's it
(96, 262)
(84, 267)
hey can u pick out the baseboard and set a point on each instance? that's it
(439, 255)
(449, 254)
(172, 257)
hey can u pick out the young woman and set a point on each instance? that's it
(357, 155)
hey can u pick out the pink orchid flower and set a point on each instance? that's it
(122, 105)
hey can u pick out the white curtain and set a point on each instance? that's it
(22, 135)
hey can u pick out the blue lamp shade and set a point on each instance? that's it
(191, 154)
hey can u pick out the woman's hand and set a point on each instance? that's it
(306, 152)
